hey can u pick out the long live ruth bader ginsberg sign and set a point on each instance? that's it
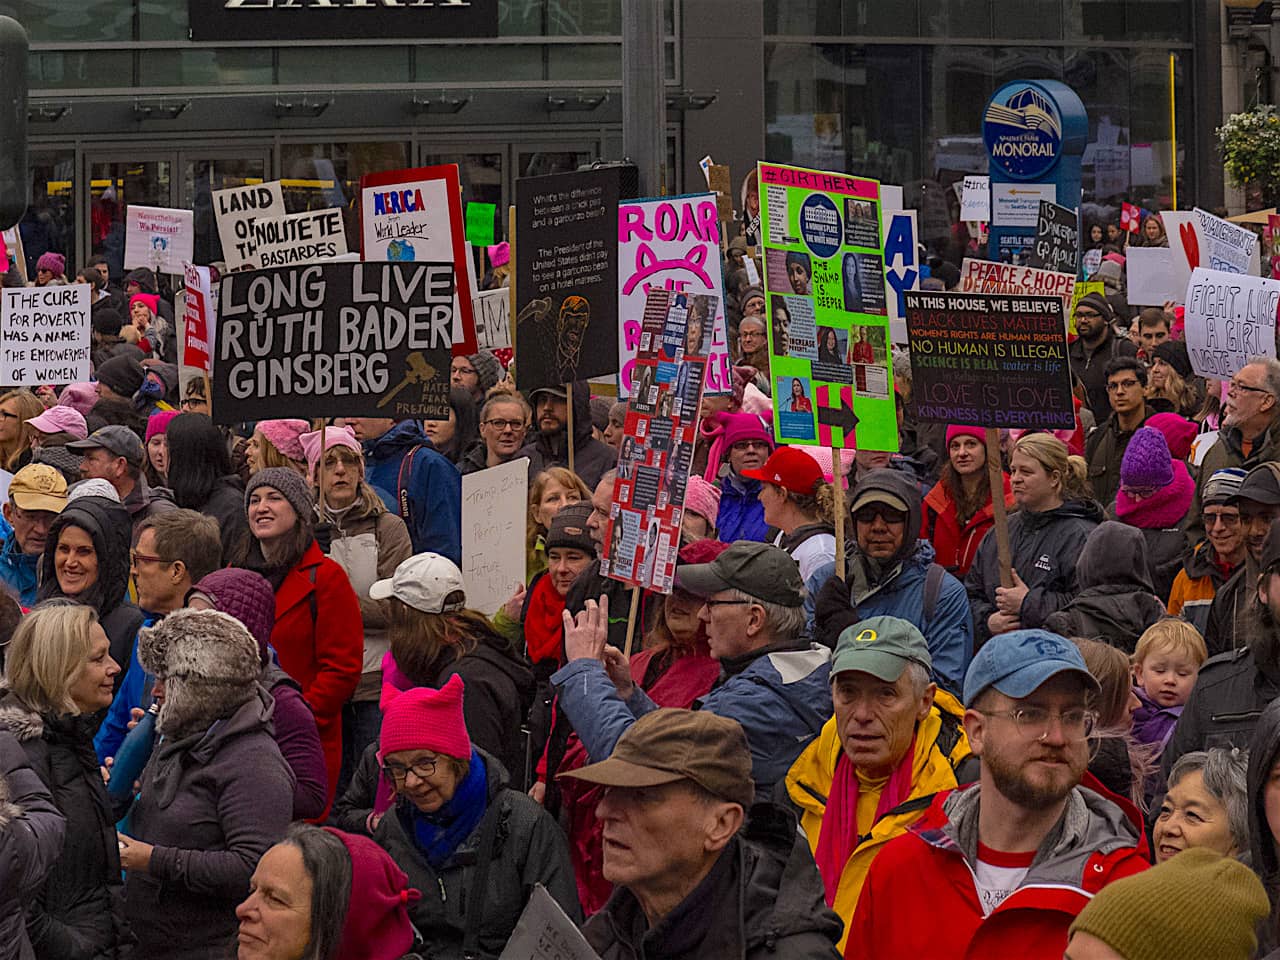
(353, 339)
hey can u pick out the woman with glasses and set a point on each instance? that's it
(504, 418)
(1046, 535)
(86, 559)
(17, 407)
(471, 845)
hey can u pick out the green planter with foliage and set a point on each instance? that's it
(1250, 145)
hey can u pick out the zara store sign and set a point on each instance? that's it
(341, 19)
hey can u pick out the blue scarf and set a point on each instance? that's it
(438, 835)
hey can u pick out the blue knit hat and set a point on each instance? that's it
(1147, 465)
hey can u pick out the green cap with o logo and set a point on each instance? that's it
(882, 647)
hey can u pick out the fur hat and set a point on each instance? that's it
(291, 485)
(1146, 464)
(209, 663)
(488, 369)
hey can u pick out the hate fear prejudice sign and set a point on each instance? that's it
(989, 360)
(335, 339)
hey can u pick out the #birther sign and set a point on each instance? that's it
(1230, 317)
(341, 19)
(44, 335)
(989, 360)
(335, 339)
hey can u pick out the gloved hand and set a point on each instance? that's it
(832, 612)
(323, 532)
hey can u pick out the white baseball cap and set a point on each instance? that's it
(423, 582)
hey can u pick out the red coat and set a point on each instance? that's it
(325, 661)
(955, 546)
(920, 897)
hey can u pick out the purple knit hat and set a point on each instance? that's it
(1147, 465)
(248, 597)
(284, 434)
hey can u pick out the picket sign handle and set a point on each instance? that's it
(997, 507)
(837, 486)
(324, 510)
(568, 392)
(631, 621)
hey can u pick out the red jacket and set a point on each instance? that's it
(324, 660)
(920, 898)
(955, 547)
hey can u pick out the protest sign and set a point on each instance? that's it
(1057, 245)
(15, 255)
(480, 223)
(492, 310)
(670, 243)
(901, 267)
(1273, 242)
(335, 339)
(660, 431)
(1091, 261)
(986, 276)
(829, 327)
(1230, 317)
(545, 932)
(720, 183)
(1018, 204)
(315, 236)
(1224, 245)
(416, 215)
(235, 210)
(197, 317)
(158, 238)
(975, 200)
(45, 335)
(1149, 276)
(567, 276)
(990, 360)
(1083, 289)
(494, 503)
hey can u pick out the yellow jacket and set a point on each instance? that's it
(940, 748)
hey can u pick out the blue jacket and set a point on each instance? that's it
(782, 698)
(949, 632)
(17, 570)
(133, 692)
(433, 484)
(741, 514)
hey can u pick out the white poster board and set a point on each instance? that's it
(235, 210)
(492, 310)
(1149, 277)
(158, 238)
(494, 503)
(1226, 246)
(901, 266)
(316, 236)
(45, 335)
(545, 932)
(1018, 204)
(1230, 317)
(975, 200)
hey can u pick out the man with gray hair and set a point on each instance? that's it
(1250, 431)
(773, 681)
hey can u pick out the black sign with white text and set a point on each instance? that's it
(341, 19)
(334, 339)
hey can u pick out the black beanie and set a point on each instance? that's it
(123, 375)
(107, 321)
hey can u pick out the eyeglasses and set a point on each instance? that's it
(727, 603)
(398, 773)
(136, 558)
(751, 445)
(869, 513)
(6, 415)
(193, 402)
(463, 370)
(1235, 386)
(1087, 315)
(1034, 722)
(504, 424)
(1226, 519)
(1116, 385)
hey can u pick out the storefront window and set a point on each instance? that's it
(84, 21)
(319, 175)
(50, 220)
(205, 67)
(113, 185)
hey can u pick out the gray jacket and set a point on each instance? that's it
(211, 804)
(31, 830)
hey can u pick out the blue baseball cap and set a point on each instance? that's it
(1018, 662)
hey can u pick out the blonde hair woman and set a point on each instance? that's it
(1054, 517)
(552, 489)
(58, 675)
(16, 408)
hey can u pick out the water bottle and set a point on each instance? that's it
(133, 755)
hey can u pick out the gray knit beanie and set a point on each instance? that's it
(292, 486)
(488, 369)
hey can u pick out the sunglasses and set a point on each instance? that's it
(886, 513)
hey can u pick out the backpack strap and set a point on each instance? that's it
(476, 896)
(402, 487)
(315, 612)
(932, 587)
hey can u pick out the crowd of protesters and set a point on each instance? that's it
(248, 709)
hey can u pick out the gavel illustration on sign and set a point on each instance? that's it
(419, 371)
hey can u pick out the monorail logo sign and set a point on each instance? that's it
(1023, 132)
(341, 19)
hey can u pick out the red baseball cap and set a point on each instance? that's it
(790, 469)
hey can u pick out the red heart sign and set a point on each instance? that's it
(1190, 245)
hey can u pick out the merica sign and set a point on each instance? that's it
(341, 19)
(1022, 130)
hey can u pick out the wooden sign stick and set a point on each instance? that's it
(997, 506)
(631, 621)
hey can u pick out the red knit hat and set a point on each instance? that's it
(378, 926)
(426, 719)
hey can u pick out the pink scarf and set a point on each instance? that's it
(1162, 511)
(839, 836)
